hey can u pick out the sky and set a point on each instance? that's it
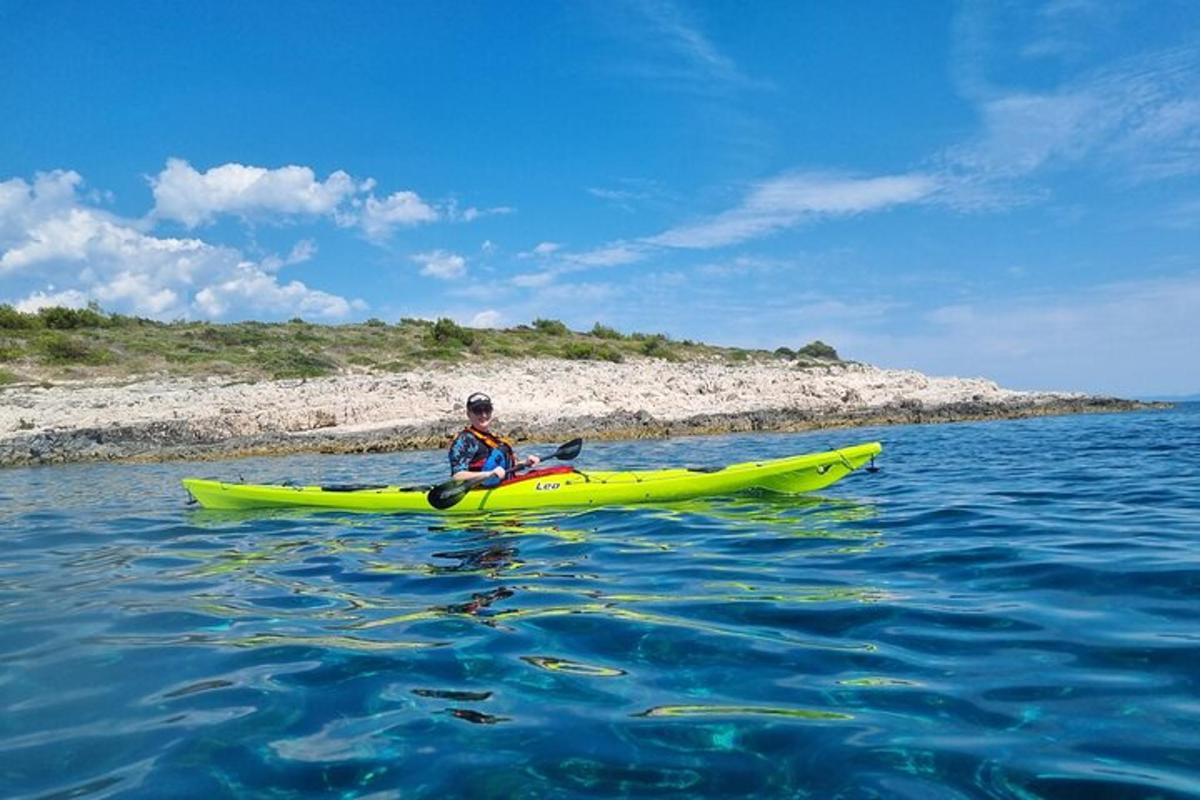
(1007, 190)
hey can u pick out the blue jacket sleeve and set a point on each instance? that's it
(462, 450)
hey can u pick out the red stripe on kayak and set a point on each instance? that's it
(535, 473)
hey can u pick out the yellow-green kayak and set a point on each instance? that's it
(555, 488)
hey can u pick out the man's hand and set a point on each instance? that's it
(498, 472)
(532, 461)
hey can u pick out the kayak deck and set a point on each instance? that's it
(578, 488)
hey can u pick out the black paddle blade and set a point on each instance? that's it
(447, 494)
(568, 451)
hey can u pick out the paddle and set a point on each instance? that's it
(447, 494)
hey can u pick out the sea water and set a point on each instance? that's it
(1006, 609)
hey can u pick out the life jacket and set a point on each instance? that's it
(499, 454)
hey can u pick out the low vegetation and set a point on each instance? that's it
(58, 343)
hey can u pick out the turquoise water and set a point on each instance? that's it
(1007, 609)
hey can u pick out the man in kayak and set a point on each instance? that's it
(477, 452)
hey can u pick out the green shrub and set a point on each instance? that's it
(587, 351)
(10, 351)
(785, 352)
(579, 351)
(240, 335)
(610, 354)
(7, 377)
(818, 349)
(551, 327)
(448, 333)
(67, 319)
(657, 346)
(59, 348)
(451, 351)
(375, 322)
(642, 337)
(500, 348)
(605, 332)
(308, 333)
(13, 320)
(296, 364)
(124, 321)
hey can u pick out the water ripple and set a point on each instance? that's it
(1006, 610)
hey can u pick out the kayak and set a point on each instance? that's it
(556, 487)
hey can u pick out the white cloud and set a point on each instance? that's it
(574, 295)
(1130, 339)
(380, 218)
(487, 319)
(441, 264)
(192, 197)
(248, 286)
(542, 250)
(470, 214)
(1182, 215)
(679, 51)
(532, 280)
(743, 266)
(23, 204)
(302, 251)
(185, 194)
(630, 193)
(1136, 118)
(782, 202)
(609, 255)
(616, 195)
(792, 199)
(47, 231)
(71, 298)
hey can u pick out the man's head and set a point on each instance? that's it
(479, 408)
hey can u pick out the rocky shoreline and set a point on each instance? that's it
(537, 400)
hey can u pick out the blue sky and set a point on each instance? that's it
(1006, 190)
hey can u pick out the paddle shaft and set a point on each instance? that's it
(449, 493)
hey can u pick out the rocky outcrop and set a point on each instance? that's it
(545, 400)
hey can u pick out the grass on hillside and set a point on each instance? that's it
(57, 343)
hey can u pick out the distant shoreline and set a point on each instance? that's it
(164, 418)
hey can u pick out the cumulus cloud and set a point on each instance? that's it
(441, 264)
(48, 232)
(193, 197)
(70, 298)
(247, 285)
(379, 218)
(187, 195)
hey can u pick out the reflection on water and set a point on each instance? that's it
(941, 629)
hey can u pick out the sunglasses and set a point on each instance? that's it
(480, 408)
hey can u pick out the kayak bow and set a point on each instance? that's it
(556, 488)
